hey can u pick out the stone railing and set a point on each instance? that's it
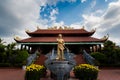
(31, 58)
(89, 59)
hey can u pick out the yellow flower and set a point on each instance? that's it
(33, 67)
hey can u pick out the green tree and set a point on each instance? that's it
(109, 45)
(1, 41)
(10, 48)
(2, 51)
(111, 52)
(19, 58)
(2, 46)
(99, 57)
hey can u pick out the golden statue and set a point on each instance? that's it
(60, 48)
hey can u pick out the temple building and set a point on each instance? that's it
(76, 40)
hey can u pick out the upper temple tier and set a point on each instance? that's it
(64, 32)
(70, 35)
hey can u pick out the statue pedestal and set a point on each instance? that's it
(60, 70)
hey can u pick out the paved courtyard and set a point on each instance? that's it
(109, 74)
(18, 74)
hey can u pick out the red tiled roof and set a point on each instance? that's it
(71, 31)
(66, 39)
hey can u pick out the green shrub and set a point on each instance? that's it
(17, 65)
(111, 52)
(118, 55)
(5, 65)
(112, 55)
(2, 48)
(3, 57)
(21, 57)
(35, 72)
(86, 72)
(100, 57)
(2, 53)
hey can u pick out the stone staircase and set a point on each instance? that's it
(78, 58)
(41, 59)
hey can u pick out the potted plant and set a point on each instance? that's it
(86, 72)
(35, 72)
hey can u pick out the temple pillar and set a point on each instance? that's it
(25, 47)
(29, 49)
(100, 48)
(96, 48)
(90, 49)
(93, 48)
(21, 47)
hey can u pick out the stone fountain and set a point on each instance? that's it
(60, 63)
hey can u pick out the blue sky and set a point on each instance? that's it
(68, 12)
(71, 12)
(16, 16)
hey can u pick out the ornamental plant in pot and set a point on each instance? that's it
(86, 72)
(35, 72)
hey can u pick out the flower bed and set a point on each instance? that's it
(86, 72)
(35, 72)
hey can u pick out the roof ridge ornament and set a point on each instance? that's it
(52, 28)
(60, 28)
(17, 38)
(27, 30)
(93, 30)
(83, 27)
(38, 28)
(105, 37)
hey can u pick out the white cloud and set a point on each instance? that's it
(61, 23)
(98, 12)
(16, 16)
(93, 4)
(71, 0)
(106, 0)
(111, 18)
(91, 21)
(108, 22)
(53, 14)
(82, 1)
(54, 2)
(76, 25)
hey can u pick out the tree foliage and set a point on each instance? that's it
(10, 49)
(110, 55)
(99, 57)
(2, 51)
(10, 55)
(111, 52)
(1, 41)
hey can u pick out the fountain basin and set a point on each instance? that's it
(60, 70)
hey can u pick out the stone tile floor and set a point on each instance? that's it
(18, 74)
(109, 74)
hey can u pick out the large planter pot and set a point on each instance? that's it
(86, 72)
(32, 75)
(35, 72)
